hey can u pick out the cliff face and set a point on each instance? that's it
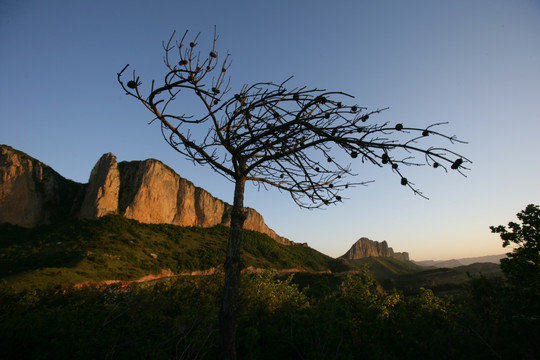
(31, 194)
(366, 248)
(151, 192)
(101, 197)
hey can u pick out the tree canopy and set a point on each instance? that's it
(522, 266)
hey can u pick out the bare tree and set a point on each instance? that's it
(293, 139)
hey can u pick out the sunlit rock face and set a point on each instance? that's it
(403, 256)
(148, 191)
(101, 196)
(209, 210)
(365, 248)
(185, 204)
(255, 221)
(32, 193)
(151, 192)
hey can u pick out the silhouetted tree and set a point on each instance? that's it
(521, 307)
(271, 135)
(522, 265)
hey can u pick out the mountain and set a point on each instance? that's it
(461, 262)
(32, 193)
(364, 248)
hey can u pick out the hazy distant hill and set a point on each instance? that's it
(460, 262)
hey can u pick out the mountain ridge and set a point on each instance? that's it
(365, 247)
(32, 193)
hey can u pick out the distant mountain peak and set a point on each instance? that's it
(365, 247)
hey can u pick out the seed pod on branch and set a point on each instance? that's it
(457, 164)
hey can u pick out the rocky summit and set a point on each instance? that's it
(32, 193)
(368, 248)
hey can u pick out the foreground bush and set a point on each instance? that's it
(353, 318)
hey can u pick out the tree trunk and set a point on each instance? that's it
(228, 315)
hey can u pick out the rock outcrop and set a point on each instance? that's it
(366, 248)
(151, 192)
(101, 196)
(148, 191)
(32, 193)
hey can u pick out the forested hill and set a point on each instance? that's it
(116, 248)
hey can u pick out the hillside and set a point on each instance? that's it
(114, 247)
(409, 276)
(442, 280)
(387, 267)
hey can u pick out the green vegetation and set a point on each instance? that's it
(310, 315)
(522, 266)
(520, 298)
(334, 317)
(443, 281)
(121, 249)
(387, 267)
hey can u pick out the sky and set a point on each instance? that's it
(472, 63)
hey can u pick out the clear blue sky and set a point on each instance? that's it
(473, 63)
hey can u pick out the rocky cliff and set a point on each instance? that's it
(148, 191)
(32, 193)
(101, 196)
(366, 248)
